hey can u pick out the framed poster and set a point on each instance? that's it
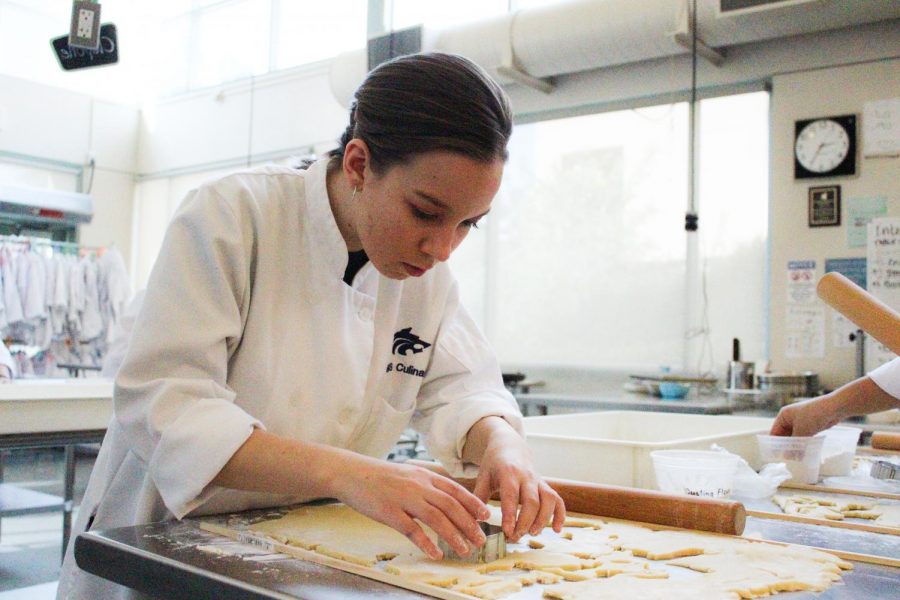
(825, 206)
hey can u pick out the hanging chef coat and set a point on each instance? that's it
(247, 323)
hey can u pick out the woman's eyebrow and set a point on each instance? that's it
(440, 204)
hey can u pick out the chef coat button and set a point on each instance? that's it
(365, 314)
(345, 415)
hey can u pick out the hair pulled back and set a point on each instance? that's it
(423, 102)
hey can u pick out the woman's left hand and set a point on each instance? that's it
(506, 466)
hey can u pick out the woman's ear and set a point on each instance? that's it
(356, 159)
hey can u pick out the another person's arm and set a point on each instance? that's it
(859, 397)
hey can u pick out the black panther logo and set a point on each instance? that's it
(405, 340)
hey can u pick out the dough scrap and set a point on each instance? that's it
(836, 510)
(754, 570)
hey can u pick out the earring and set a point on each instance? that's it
(353, 195)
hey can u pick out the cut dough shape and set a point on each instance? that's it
(338, 531)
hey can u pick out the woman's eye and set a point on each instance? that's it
(424, 216)
(470, 224)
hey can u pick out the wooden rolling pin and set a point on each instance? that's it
(631, 504)
(868, 312)
(882, 440)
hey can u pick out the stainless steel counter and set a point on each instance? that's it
(543, 404)
(179, 561)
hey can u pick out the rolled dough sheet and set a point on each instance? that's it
(338, 531)
(590, 559)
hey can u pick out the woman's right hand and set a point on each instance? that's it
(397, 494)
(807, 418)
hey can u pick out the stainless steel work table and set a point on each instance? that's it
(163, 560)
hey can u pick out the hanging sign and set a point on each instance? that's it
(71, 58)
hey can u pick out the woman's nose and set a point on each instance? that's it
(441, 243)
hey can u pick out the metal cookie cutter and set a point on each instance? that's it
(882, 469)
(494, 546)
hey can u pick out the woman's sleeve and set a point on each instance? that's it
(171, 396)
(463, 385)
(887, 377)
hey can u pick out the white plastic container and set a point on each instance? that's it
(702, 473)
(801, 455)
(614, 446)
(838, 451)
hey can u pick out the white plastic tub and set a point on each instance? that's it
(614, 447)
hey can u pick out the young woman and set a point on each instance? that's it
(297, 321)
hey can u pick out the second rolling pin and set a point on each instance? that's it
(631, 504)
(868, 312)
(882, 440)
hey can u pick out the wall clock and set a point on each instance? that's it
(825, 147)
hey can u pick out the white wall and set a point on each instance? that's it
(51, 124)
(810, 94)
(288, 111)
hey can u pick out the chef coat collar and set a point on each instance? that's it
(324, 226)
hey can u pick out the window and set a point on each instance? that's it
(230, 41)
(305, 32)
(585, 248)
(407, 13)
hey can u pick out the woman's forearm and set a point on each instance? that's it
(270, 463)
(861, 397)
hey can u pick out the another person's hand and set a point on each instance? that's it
(506, 466)
(808, 417)
(397, 494)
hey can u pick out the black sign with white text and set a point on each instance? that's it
(79, 58)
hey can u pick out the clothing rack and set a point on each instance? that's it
(28, 240)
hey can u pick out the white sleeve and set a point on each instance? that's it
(463, 385)
(887, 377)
(171, 395)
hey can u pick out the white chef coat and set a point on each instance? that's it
(247, 323)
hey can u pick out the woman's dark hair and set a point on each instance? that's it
(424, 102)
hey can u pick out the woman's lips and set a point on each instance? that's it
(414, 271)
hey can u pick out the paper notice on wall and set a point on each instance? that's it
(860, 211)
(883, 274)
(842, 330)
(881, 128)
(805, 331)
(853, 269)
(801, 282)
